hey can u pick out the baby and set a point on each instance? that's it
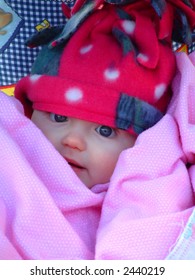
(91, 149)
(93, 93)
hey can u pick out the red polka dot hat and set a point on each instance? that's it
(110, 64)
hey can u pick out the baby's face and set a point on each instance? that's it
(92, 150)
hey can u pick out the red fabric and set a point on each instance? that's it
(94, 64)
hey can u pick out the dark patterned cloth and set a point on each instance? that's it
(20, 19)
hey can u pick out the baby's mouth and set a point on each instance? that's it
(74, 164)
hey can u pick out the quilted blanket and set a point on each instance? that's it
(146, 211)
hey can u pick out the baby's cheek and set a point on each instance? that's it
(108, 165)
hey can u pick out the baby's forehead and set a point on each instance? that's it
(85, 123)
(41, 113)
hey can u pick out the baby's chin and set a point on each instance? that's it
(89, 183)
(93, 183)
(87, 179)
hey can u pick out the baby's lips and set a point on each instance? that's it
(73, 163)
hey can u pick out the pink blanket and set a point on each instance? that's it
(145, 212)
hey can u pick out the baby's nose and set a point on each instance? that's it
(74, 139)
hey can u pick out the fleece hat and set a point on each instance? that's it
(115, 69)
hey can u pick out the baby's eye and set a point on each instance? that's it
(58, 118)
(105, 131)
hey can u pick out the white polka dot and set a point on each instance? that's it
(111, 74)
(159, 91)
(86, 49)
(73, 94)
(142, 57)
(35, 78)
(128, 26)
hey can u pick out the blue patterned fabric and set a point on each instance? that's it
(24, 18)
